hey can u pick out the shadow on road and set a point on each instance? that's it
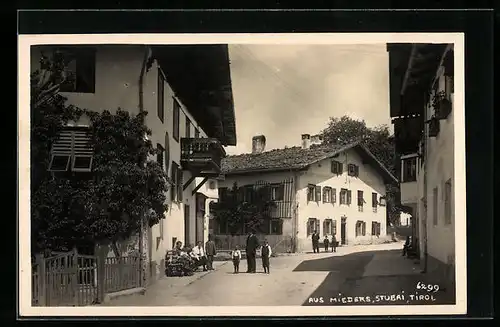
(347, 285)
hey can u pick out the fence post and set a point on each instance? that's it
(74, 280)
(101, 276)
(42, 275)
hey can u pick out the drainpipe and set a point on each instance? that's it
(143, 262)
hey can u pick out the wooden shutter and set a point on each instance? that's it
(363, 226)
(356, 171)
(180, 184)
(317, 193)
(173, 176)
(317, 227)
(349, 197)
(340, 168)
(334, 227)
(334, 195)
(167, 152)
(360, 198)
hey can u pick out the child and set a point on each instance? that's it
(326, 242)
(236, 255)
(266, 253)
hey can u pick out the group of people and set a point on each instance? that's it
(190, 258)
(252, 244)
(327, 242)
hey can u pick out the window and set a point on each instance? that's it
(161, 96)
(327, 227)
(361, 201)
(409, 173)
(176, 117)
(360, 228)
(336, 167)
(374, 202)
(277, 192)
(375, 228)
(435, 206)
(353, 170)
(312, 226)
(327, 194)
(248, 193)
(173, 186)
(80, 69)
(196, 133)
(313, 193)
(343, 196)
(72, 151)
(180, 186)
(276, 227)
(447, 202)
(222, 193)
(159, 154)
(381, 202)
(188, 128)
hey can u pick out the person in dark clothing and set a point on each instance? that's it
(326, 243)
(406, 245)
(266, 253)
(334, 243)
(315, 242)
(251, 251)
(210, 252)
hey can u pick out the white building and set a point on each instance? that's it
(331, 189)
(186, 91)
(422, 90)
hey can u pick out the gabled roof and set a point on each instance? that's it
(297, 158)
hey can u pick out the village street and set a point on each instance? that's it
(355, 272)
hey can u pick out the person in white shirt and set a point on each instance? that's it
(236, 255)
(199, 252)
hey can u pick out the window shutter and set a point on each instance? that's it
(173, 176)
(349, 197)
(364, 228)
(317, 226)
(334, 227)
(324, 227)
(324, 194)
(179, 184)
(334, 195)
(318, 193)
(340, 168)
(356, 170)
(167, 152)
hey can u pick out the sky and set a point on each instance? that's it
(283, 91)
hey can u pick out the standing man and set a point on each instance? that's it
(334, 243)
(251, 251)
(210, 252)
(315, 242)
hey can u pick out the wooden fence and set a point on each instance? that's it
(72, 279)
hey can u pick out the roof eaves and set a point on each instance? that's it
(381, 165)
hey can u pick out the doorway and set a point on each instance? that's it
(187, 226)
(343, 227)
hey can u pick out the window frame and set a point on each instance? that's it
(343, 196)
(174, 181)
(187, 127)
(311, 192)
(72, 149)
(327, 194)
(361, 200)
(327, 227)
(314, 227)
(336, 167)
(409, 170)
(279, 221)
(277, 189)
(353, 170)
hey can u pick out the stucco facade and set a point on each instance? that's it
(319, 174)
(117, 71)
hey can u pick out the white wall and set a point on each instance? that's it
(440, 168)
(368, 181)
(117, 85)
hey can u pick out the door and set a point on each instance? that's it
(343, 225)
(200, 218)
(187, 226)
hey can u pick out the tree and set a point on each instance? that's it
(106, 205)
(378, 140)
(244, 208)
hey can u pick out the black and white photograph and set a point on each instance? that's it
(242, 174)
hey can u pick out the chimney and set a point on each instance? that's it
(306, 141)
(316, 139)
(258, 143)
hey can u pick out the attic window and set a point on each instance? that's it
(336, 167)
(72, 150)
(353, 170)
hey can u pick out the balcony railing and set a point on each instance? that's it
(202, 154)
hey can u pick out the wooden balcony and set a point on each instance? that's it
(202, 156)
